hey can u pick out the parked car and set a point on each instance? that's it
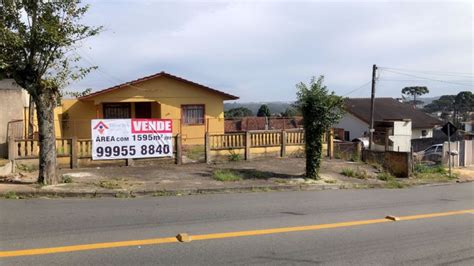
(433, 153)
(364, 141)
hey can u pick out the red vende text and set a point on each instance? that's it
(152, 126)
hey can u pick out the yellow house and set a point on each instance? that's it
(193, 108)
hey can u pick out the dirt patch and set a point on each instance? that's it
(465, 173)
(255, 175)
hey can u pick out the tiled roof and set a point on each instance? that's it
(389, 109)
(160, 74)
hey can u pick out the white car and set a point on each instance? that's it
(433, 153)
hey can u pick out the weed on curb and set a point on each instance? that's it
(226, 175)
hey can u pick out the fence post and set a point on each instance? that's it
(12, 152)
(207, 152)
(129, 162)
(331, 143)
(247, 145)
(283, 144)
(358, 150)
(73, 152)
(179, 151)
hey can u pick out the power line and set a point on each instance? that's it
(110, 77)
(442, 73)
(358, 88)
(425, 78)
(418, 80)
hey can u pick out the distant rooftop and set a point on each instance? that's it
(389, 109)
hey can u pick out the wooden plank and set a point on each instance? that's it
(207, 152)
(283, 144)
(179, 150)
(248, 142)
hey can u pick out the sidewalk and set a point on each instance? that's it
(169, 179)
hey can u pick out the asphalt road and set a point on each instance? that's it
(43, 223)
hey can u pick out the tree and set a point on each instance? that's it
(238, 112)
(453, 108)
(415, 91)
(77, 94)
(444, 104)
(264, 111)
(464, 104)
(37, 42)
(320, 110)
(290, 112)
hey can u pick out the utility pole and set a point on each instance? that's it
(449, 149)
(372, 102)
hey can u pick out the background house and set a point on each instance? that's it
(356, 120)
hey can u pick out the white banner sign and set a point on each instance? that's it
(131, 138)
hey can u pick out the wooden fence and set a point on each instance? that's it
(74, 148)
(253, 139)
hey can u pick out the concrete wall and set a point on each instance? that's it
(256, 152)
(397, 163)
(464, 150)
(467, 154)
(354, 125)
(13, 100)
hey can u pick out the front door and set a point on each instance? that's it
(143, 110)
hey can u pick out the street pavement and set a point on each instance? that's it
(44, 223)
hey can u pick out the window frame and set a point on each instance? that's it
(183, 113)
(105, 105)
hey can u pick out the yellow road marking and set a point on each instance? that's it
(166, 240)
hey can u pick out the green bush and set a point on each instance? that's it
(67, 179)
(394, 184)
(226, 175)
(385, 176)
(391, 181)
(11, 195)
(357, 173)
(26, 167)
(234, 157)
(422, 168)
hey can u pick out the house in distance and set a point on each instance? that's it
(387, 110)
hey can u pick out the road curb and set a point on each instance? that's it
(199, 191)
(158, 193)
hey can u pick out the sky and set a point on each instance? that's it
(259, 50)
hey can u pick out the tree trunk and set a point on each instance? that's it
(45, 104)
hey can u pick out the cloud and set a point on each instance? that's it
(260, 49)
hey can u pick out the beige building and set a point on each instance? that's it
(13, 108)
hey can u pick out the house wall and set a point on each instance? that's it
(357, 127)
(402, 134)
(76, 118)
(12, 103)
(354, 125)
(416, 133)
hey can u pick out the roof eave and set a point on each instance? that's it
(136, 81)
